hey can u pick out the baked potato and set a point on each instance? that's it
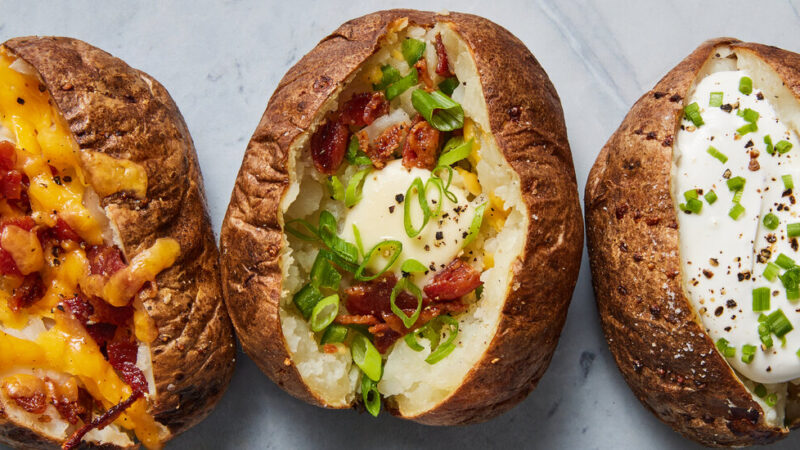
(113, 331)
(405, 224)
(692, 230)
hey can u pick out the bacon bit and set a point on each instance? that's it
(422, 74)
(104, 260)
(11, 184)
(105, 316)
(102, 333)
(7, 264)
(105, 313)
(79, 307)
(122, 357)
(421, 145)
(8, 155)
(362, 109)
(356, 319)
(64, 232)
(386, 144)
(66, 398)
(385, 338)
(455, 280)
(442, 64)
(373, 298)
(26, 223)
(27, 391)
(29, 292)
(330, 348)
(329, 144)
(100, 422)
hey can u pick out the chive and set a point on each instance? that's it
(764, 335)
(454, 151)
(333, 334)
(693, 205)
(790, 280)
(447, 193)
(736, 211)
(747, 128)
(413, 266)
(323, 274)
(402, 85)
(413, 343)
(761, 299)
(336, 188)
(439, 203)
(438, 109)
(750, 115)
(784, 261)
(423, 204)
(725, 349)
(793, 229)
(717, 154)
(306, 298)
(412, 50)
(357, 236)
(354, 154)
(395, 246)
(448, 85)
(710, 197)
(352, 195)
(737, 196)
(343, 253)
(771, 271)
(788, 182)
(778, 323)
(768, 141)
(745, 85)
(748, 353)
(389, 76)
(783, 146)
(772, 399)
(715, 99)
(314, 233)
(445, 348)
(736, 183)
(760, 390)
(366, 357)
(771, 221)
(690, 194)
(406, 285)
(692, 112)
(324, 312)
(370, 395)
(475, 226)
(792, 293)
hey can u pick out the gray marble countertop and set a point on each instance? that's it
(221, 60)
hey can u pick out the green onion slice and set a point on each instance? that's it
(306, 299)
(366, 357)
(423, 204)
(413, 266)
(772, 399)
(747, 128)
(402, 85)
(454, 151)
(445, 348)
(352, 195)
(768, 141)
(475, 226)
(439, 203)
(312, 236)
(737, 196)
(354, 154)
(389, 76)
(788, 182)
(771, 221)
(692, 112)
(324, 312)
(764, 335)
(793, 229)
(323, 274)
(412, 342)
(690, 194)
(333, 334)
(336, 188)
(748, 353)
(736, 183)
(778, 323)
(784, 261)
(359, 244)
(717, 154)
(396, 247)
(745, 85)
(783, 146)
(736, 211)
(771, 271)
(750, 115)
(760, 390)
(710, 197)
(370, 395)
(715, 99)
(412, 50)
(448, 85)
(406, 285)
(344, 254)
(438, 109)
(447, 193)
(693, 205)
(761, 299)
(725, 349)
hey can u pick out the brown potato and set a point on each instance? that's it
(118, 115)
(655, 334)
(516, 107)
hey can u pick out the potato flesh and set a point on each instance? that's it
(410, 383)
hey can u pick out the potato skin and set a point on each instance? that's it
(115, 109)
(526, 120)
(632, 232)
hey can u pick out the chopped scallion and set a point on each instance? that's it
(748, 353)
(370, 395)
(715, 99)
(692, 112)
(446, 347)
(745, 85)
(448, 85)
(475, 226)
(778, 323)
(784, 261)
(454, 151)
(352, 195)
(736, 183)
(771, 271)
(404, 284)
(788, 182)
(438, 109)
(312, 236)
(323, 274)
(324, 312)
(725, 349)
(747, 128)
(736, 211)
(793, 229)
(366, 357)
(761, 299)
(768, 141)
(395, 247)
(413, 266)
(423, 204)
(760, 390)
(690, 194)
(402, 85)
(710, 197)
(412, 50)
(717, 154)
(336, 188)
(306, 299)
(771, 221)
(354, 154)
(333, 334)
(750, 115)
(783, 146)
(389, 76)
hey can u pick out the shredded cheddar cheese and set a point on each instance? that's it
(471, 132)
(470, 181)
(497, 214)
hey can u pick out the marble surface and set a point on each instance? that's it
(221, 60)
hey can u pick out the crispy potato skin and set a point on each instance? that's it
(632, 232)
(527, 122)
(115, 109)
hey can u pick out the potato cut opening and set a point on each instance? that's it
(735, 162)
(408, 382)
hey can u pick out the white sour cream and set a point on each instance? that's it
(723, 259)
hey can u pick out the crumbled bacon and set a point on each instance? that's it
(421, 145)
(100, 422)
(356, 319)
(105, 313)
(27, 391)
(362, 109)
(384, 337)
(329, 144)
(25, 222)
(11, 184)
(79, 307)
(69, 400)
(8, 155)
(122, 357)
(104, 260)
(330, 348)
(385, 145)
(29, 292)
(7, 264)
(422, 74)
(104, 318)
(455, 280)
(64, 232)
(373, 298)
(442, 64)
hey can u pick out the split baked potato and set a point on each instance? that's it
(113, 331)
(693, 236)
(405, 224)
